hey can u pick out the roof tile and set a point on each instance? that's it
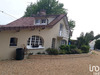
(28, 22)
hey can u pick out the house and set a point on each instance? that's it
(92, 43)
(37, 33)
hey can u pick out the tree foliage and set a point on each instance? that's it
(89, 36)
(97, 36)
(80, 40)
(85, 39)
(97, 44)
(51, 7)
(71, 24)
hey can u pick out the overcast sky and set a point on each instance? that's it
(86, 13)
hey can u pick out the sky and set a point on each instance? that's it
(85, 13)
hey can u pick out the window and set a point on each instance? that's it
(43, 21)
(35, 42)
(61, 27)
(13, 41)
(63, 42)
(53, 42)
(61, 30)
(37, 21)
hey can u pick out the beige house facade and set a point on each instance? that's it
(35, 33)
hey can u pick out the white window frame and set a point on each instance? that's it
(43, 21)
(37, 21)
(40, 22)
(33, 41)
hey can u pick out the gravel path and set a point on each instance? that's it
(52, 65)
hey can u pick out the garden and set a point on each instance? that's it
(68, 49)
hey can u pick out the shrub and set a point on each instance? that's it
(52, 51)
(76, 51)
(85, 48)
(72, 47)
(62, 47)
(67, 47)
(39, 53)
(62, 51)
(97, 44)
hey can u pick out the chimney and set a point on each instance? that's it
(42, 12)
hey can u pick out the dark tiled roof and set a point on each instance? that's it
(1, 25)
(28, 22)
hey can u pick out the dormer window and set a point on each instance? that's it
(43, 21)
(37, 21)
(40, 22)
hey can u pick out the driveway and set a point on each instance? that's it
(51, 65)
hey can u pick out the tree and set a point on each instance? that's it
(51, 7)
(97, 36)
(89, 37)
(80, 40)
(97, 44)
(85, 39)
(71, 24)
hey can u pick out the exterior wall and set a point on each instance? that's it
(8, 52)
(65, 33)
(92, 43)
(50, 19)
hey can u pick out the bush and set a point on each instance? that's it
(76, 51)
(97, 44)
(52, 51)
(67, 47)
(85, 48)
(72, 47)
(39, 53)
(64, 47)
(62, 51)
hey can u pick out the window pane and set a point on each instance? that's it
(61, 27)
(13, 42)
(37, 37)
(43, 21)
(35, 41)
(37, 21)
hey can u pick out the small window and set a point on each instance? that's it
(53, 43)
(13, 41)
(63, 42)
(37, 21)
(61, 27)
(43, 21)
(61, 30)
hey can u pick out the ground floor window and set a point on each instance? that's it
(53, 43)
(63, 42)
(13, 41)
(35, 42)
